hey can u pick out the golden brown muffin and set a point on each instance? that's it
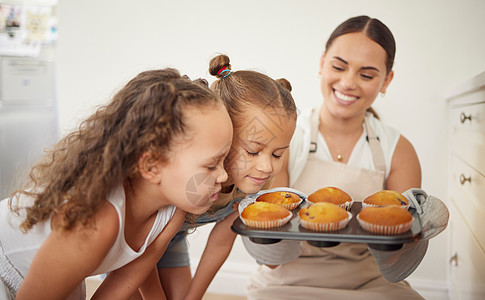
(332, 195)
(386, 197)
(385, 219)
(286, 199)
(324, 216)
(265, 215)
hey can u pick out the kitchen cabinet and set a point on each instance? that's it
(466, 189)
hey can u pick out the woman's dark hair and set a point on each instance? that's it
(374, 29)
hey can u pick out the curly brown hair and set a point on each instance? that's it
(147, 114)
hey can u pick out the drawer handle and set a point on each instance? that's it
(464, 179)
(464, 117)
(454, 260)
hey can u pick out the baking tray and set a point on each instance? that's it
(352, 233)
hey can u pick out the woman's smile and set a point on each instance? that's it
(345, 98)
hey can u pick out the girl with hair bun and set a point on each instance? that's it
(99, 201)
(263, 115)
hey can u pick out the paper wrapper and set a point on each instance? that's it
(385, 229)
(326, 226)
(266, 224)
(251, 198)
(346, 205)
(291, 206)
(364, 205)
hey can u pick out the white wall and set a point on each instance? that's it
(440, 43)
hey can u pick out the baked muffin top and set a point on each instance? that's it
(279, 198)
(330, 194)
(385, 215)
(263, 211)
(386, 197)
(323, 212)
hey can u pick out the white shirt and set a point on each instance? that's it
(361, 155)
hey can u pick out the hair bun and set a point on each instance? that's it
(285, 83)
(218, 63)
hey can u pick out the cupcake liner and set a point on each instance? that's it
(326, 226)
(374, 205)
(347, 205)
(266, 224)
(291, 206)
(385, 229)
(251, 198)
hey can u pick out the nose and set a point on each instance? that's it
(264, 164)
(348, 81)
(222, 177)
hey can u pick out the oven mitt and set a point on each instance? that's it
(398, 265)
(432, 211)
(278, 253)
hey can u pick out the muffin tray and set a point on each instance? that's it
(352, 233)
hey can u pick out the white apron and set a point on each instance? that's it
(346, 271)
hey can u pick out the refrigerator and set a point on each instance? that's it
(28, 116)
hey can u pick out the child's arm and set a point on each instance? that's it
(217, 250)
(152, 288)
(123, 282)
(67, 257)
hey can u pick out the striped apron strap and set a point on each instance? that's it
(9, 275)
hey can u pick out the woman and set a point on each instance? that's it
(344, 144)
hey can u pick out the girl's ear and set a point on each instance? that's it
(149, 168)
(387, 81)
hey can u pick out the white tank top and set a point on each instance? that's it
(21, 248)
(121, 253)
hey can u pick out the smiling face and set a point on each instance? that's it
(259, 143)
(192, 178)
(353, 72)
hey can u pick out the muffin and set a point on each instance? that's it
(286, 199)
(324, 216)
(386, 197)
(332, 195)
(385, 219)
(265, 215)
